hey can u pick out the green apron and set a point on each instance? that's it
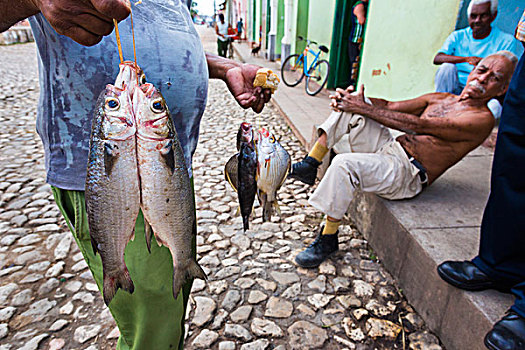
(150, 318)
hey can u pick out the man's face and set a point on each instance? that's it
(490, 78)
(480, 19)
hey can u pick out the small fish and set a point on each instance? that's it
(246, 173)
(273, 165)
(112, 182)
(166, 195)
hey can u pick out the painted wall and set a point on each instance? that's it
(402, 38)
(320, 21)
(280, 27)
(300, 19)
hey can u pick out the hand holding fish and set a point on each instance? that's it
(85, 21)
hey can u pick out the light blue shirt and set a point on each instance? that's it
(462, 43)
(72, 76)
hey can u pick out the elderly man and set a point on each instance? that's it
(464, 48)
(440, 128)
(72, 76)
(500, 263)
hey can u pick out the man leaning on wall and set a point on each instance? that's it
(464, 48)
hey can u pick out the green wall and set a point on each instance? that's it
(257, 21)
(301, 29)
(280, 27)
(320, 21)
(402, 38)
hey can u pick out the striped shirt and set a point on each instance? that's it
(520, 29)
(357, 29)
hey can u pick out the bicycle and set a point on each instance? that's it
(294, 69)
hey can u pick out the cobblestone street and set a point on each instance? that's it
(255, 298)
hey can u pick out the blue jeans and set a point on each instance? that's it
(502, 245)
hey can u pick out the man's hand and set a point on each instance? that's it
(85, 21)
(240, 83)
(473, 60)
(347, 101)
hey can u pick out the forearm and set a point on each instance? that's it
(13, 11)
(405, 122)
(219, 66)
(444, 58)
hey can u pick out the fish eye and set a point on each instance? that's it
(157, 106)
(272, 139)
(143, 78)
(112, 103)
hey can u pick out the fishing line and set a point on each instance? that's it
(117, 35)
(134, 50)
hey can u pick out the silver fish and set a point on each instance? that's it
(273, 165)
(112, 183)
(166, 195)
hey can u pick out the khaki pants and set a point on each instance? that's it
(377, 164)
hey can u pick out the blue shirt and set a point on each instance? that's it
(72, 76)
(462, 43)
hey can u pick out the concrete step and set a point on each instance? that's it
(16, 35)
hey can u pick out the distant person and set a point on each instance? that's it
(355, 40)
(240, 26)
(464, 48)
(440, 129)
(221, 29)
(500, 263)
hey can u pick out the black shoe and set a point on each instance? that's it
(507, 334)
(305, 170)
(465, 275)
(318, 251)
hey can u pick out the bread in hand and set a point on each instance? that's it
(266, 79)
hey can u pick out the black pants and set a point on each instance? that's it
(354, 49)
(222, 47)
(502, 246)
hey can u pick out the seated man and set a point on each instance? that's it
(440, 129)
(464, 48)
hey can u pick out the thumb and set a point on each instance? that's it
(362, 91)
(118, 9)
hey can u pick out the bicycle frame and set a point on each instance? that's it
(304, 58)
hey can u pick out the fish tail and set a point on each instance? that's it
(112, 283)
(246, 222)
(181, 276)
(148, 232)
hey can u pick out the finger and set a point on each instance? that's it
(118, 9)
(350, 88)
(267, 95)
(258, 106)
(339, 90)
(94, 25)
(82, 36)
(362, 89)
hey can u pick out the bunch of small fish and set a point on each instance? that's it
(136, 162)
(260, 167)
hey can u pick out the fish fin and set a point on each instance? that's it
(238, 211)
(112, 283)
(277, 208)
(246, 222)
(169, 156)
(110, 155)
(285, 175)
(180, 277)
(267, 207)
(148, 232)
(231, 172)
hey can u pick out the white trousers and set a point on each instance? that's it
(377, 164)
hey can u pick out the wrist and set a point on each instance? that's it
(218, 67)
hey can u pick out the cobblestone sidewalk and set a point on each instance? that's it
(256, 298)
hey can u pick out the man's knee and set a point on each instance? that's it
(446, 78)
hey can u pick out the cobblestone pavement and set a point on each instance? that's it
(256, 298)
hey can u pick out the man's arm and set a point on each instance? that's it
(359, 12)
(444, 58)
(239, 79)
(467, 127)
(12, 12)
(86, 21)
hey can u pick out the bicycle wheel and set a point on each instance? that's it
(292, 70)
(318, 77)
